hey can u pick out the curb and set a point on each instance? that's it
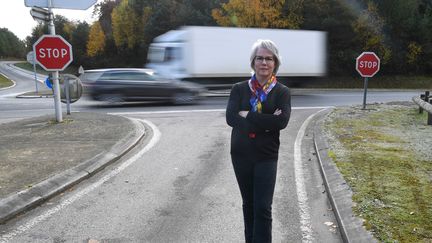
(338, 191)
(25, 96)
(29, 198)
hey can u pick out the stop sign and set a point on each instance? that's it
(367, 64)
(52, 52)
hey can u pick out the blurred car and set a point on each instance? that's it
(137, 84)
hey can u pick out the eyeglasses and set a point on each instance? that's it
(261, 59)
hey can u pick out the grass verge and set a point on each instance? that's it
(5, 82)
(378, 82)
(39, 69)
(384, 155)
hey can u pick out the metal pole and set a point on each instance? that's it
(66, 83)
(34, 70)
(429, 121)
(422, 96)
(56, 85)
(365, 92)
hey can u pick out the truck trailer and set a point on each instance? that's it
(220, 53)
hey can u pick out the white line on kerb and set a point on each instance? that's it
(305, 218)
(23, 228)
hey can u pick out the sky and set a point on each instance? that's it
(15, 16)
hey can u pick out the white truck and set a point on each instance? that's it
(198, 52)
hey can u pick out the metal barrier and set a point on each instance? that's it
(425, 103)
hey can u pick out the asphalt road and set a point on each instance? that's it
(182, 189)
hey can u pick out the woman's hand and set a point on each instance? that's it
(277, 112)
(243, 113)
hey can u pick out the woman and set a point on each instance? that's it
(257, 110)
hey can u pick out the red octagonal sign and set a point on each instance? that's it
(53, 52)
(367, 64)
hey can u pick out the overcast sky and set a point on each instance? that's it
(15, 16)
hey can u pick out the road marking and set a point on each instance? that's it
(163, 112)
(311, 107)
(305, 219)
(14, 95)
(191, 111)
(33, 222)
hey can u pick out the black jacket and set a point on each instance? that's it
(256, 137)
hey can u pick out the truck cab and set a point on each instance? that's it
(166, 55)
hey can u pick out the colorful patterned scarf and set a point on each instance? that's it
(259, 93)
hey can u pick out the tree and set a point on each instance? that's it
(257, 13)
(369, 29)
(79, 41)
(96, 40)
(104, 11)
(63, 26)
(408, 24)
(337, 20)
(37, 32)
(126, 26)
(10, 45)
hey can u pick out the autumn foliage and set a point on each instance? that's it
(397, 30)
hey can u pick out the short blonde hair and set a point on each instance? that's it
(269, 45)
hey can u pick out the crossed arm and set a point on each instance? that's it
(258, 122)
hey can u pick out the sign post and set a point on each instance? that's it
(71, 90)
(31, 60)
(64, 4)
(40, 14)
(46, 52)
(367, 65)
(53, 53)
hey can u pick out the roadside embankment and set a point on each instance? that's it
(384, 154)
(5, 82)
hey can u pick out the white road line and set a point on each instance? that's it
(163, 112)
(33, 222)
(305, 219)
(311, 107)
(13, 94)
(192, 111)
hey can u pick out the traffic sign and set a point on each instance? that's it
(64, 4)
(48, 82)
(70, 88)
(52, 52)
(367, 64)
(40, 14)
(30, 57)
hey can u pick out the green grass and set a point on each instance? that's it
(378, 82)
(392, 185)
(5, 82)
(39, 69)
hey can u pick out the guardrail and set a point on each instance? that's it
(425, 103)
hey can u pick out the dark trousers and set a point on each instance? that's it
(257, 182)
